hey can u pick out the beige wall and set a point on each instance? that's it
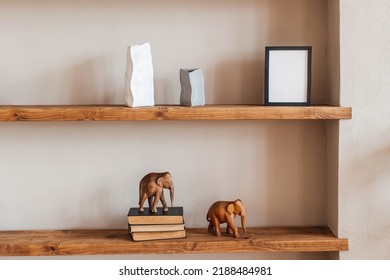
(365, 141)
(85, 175)
(73, 52)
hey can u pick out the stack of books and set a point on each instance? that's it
(146, 225)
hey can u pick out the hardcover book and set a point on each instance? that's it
(148, 228)
(174, 215)
(157, 235)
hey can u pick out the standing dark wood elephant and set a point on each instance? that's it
(152, 187)
(225, 212)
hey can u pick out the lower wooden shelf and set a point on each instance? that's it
(117, 241)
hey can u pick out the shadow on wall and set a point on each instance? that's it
(89, 81)
(99, 210)
(92, 76)
(307, 27)
(239, 82)
(296, 183)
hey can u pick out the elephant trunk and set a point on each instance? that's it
(172, 194)
(243, 221)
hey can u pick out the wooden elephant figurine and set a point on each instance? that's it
(225, 212)
(152, 187)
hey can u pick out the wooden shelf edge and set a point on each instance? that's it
(171, 112)
(104, 242)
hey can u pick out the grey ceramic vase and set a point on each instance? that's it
(192, 87)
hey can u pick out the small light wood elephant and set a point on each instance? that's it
(225, 212)
(152, 187)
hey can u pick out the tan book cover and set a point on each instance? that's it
(157, 235)
(146, 228)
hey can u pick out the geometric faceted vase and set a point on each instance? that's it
(192, 87)
(139, 76)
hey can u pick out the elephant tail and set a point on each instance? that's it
(140, 192)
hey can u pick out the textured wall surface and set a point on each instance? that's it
(365, 141)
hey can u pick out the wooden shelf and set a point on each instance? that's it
(103, 242)
(172, 112)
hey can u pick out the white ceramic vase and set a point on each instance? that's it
(192, 87)
(139, 76)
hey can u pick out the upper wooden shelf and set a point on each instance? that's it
(171, 112)
(103, 242)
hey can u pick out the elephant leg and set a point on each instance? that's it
(211, 227)
(150, 202)
(142, 201)
(232, 226)
(217, 227)
(155, 202)
(162, 198)
(243, 223)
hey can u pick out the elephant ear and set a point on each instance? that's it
(230, 208)
(160, 181)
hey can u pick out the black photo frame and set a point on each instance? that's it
(288, 76)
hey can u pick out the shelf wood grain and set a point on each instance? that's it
(103, 242)
(172, 112)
